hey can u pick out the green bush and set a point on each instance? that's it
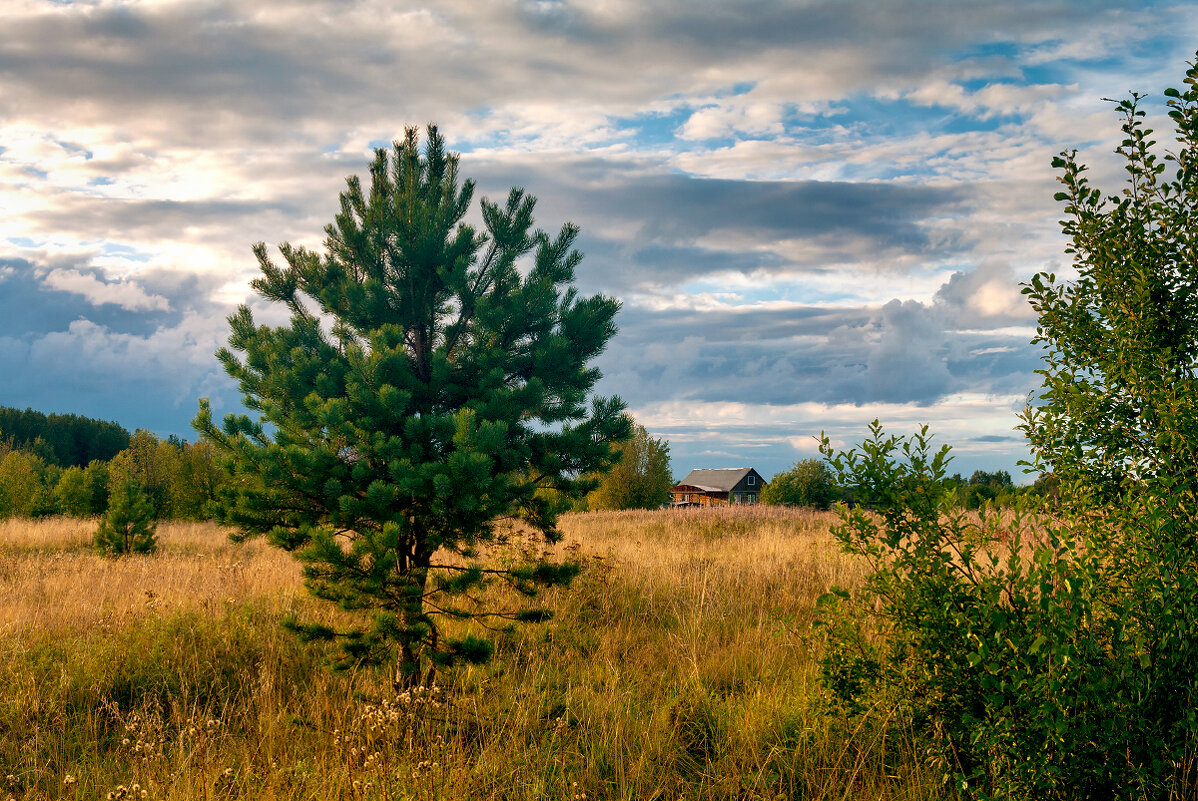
(808, 483)
(997, 644)
(26, 485)
(83, 491)
(1056, 656)
(128, 526)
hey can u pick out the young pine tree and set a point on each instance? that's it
(128, 526)
(431, 379)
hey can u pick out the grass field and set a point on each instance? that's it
(680, 665)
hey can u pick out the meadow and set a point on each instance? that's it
(682, 664)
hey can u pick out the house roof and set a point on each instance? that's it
(716, 480)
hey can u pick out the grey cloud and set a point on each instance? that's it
(906, 363)
(696, 206)
(186, 291)
(29, 308)
(673, 207)
(248, 68)
(996, 438)
(823, 222)
(835, 24)
(95, 217)
(146, 380)
(900, 353)
(175, 60)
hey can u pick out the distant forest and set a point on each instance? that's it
(67, 440)
(54, 464)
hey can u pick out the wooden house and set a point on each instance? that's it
(718, 487)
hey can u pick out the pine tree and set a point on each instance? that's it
(128, 526)
(431, 379)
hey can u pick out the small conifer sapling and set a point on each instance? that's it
(129, 525)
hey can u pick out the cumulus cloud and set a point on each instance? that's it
(989, 294)
(90, 369)
(125, 294)
(899, 352)
(734, 118)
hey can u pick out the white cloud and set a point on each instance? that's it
(734, 117)
(125, 294)
(991, 100)
(999, 298)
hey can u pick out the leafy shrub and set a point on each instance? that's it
(1056, 656)
(993, 633)
(83, 492)
(808, 483)
(26, 485)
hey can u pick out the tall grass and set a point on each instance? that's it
(682, 664)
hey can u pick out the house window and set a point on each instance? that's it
(752, 479)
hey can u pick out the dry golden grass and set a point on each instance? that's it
(681, 665)
(54, 583)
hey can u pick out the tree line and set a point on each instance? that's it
(66, 440)
(179, 478)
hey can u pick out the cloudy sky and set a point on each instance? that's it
(815, 212)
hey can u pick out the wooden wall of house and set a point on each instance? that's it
(745, 488)
(702, 498)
